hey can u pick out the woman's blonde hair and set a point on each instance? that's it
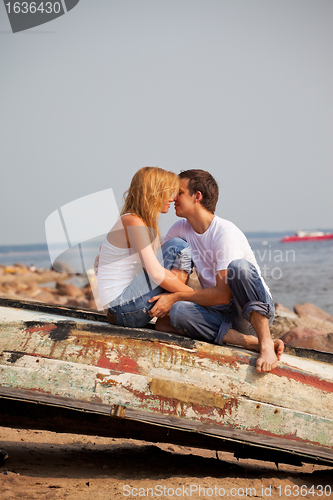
(150, 188)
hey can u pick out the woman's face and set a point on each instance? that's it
(166, 205)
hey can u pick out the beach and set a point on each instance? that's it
(66, 466)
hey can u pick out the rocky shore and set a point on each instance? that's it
(40, 285)
(307, 326)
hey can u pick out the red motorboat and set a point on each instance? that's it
(307, 236)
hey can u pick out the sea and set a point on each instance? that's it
(295, 272)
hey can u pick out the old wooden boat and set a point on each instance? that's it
(68, 370)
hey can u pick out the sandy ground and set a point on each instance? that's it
(46, 465)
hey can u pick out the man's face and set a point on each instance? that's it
(184, 202)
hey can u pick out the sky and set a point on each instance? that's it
(241, 88)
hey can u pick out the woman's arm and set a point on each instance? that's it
(138, 239)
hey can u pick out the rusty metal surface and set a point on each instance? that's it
(167, 376)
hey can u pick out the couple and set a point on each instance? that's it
(135, 273)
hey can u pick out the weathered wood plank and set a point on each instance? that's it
(59, 419)
(139, 424)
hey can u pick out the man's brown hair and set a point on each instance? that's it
(200, 180)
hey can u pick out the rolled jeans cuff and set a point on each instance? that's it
(183, 260)
(223, 330)
(261, 307)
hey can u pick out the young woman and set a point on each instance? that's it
(133, 267)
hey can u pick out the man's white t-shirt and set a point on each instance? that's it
(213, 250)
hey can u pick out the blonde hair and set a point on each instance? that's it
(150, 188)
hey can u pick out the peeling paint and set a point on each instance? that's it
(186, 393)
(14, 356)
(304, 378)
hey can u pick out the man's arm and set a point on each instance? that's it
(217, 295)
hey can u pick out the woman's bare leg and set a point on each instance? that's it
(164, 325)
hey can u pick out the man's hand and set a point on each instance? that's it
(163, 304)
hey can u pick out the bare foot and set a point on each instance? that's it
(268, 359)
(278, 348)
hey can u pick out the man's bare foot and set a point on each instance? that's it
(278, 347)
(270, 352)
(268, 359)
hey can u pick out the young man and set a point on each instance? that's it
(234, 302)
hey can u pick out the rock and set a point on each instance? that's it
(44, 296)
(69, 290)
(299, 332)
(33, 291)
(88, 292)
(319, 342)
(21, 296)
(312, 311)
(60, 299)
(10, 288)
(22, 286)
(281, 325)
(280, 310)
(92, 304)
(78, 302)
(15, 269)
(63, 267)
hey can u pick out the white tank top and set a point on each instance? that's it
(116, 270)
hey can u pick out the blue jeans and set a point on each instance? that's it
(211, 324)
(131, 307)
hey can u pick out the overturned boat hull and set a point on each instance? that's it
(67, 370)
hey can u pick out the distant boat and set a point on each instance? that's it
(307, 236)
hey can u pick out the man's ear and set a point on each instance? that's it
(198, 197)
